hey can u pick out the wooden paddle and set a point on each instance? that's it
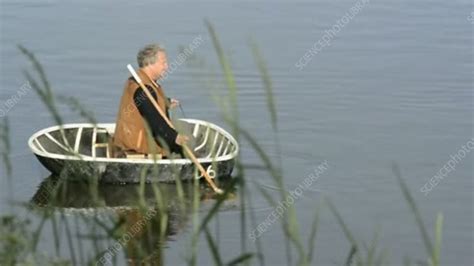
(186, 149)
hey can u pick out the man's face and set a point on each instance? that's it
(161, 65)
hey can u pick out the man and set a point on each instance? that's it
(140, 129)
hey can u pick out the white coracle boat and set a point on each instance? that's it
(83, 151)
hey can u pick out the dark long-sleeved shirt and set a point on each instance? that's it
(161, 131)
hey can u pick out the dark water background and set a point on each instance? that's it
(395, 85)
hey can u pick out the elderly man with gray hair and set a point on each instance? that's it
(140, 129)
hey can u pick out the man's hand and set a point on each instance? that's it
(174, 103)
(181, 139)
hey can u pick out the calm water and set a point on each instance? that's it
(394, 85)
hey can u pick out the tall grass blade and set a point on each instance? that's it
(267, 82)
(225, 65)
(69, 239)
(214, 249)
(215, 207)
(268, 197)
(414, 209)
(234, 118)
(79, 241)
(275, 174)
(43, 91)
(382, 258)
(195, 218)
(312, 236)
(438, 239)
(350, 256)
(5, 145)
(54, 227)
(228, 74)
(37, 232)
(372, 249)
(258, 244)
(345, 229)
(242, 258)
(76, 105)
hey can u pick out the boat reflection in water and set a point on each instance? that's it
(144, 217)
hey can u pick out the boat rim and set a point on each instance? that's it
(81, 157)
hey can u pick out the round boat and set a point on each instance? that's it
(82, 151)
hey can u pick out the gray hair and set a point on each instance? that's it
(147, 55)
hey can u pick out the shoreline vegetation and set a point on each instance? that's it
(134, 222)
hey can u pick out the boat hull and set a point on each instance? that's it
(113, 172)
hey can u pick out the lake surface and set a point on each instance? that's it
(395, 84)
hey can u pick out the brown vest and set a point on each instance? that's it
(131, 131)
